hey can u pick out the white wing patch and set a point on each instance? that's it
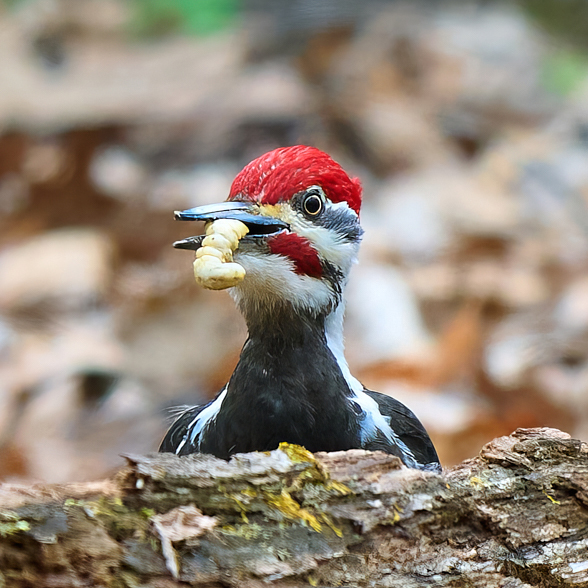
(204, 418)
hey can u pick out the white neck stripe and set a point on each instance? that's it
(373, 420)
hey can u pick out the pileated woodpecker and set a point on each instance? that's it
(292, 382)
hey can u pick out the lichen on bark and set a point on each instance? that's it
(513, 517)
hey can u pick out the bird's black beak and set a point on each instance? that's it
(258, 225)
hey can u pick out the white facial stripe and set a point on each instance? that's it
(271, 278)
(202, 420)
(373, 420)
(330, 245)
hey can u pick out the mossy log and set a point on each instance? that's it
(513, 517)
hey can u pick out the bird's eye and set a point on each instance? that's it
(312, 204)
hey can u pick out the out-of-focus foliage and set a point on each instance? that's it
(566, 19)
(565, 71)
(13, 3)
(192, 17)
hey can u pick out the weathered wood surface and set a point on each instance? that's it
(515, 516)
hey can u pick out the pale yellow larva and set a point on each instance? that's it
(214, 267)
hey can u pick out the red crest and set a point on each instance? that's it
(281, 173)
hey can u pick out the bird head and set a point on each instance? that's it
(302, 212)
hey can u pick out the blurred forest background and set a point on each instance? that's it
(467, 122)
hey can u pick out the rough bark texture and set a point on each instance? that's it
(515, 516)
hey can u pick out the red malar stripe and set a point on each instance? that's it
(299, 250)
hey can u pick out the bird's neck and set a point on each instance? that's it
(282, 327)
(283, 339)
(276, 330)
(288, 380)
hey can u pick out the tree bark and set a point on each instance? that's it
(513, 517)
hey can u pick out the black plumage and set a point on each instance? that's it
(288, 386)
